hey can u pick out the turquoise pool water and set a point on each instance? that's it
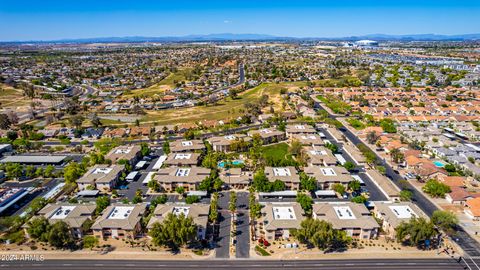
(235, 162)
(439, 164)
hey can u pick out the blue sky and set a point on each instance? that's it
(53, 19)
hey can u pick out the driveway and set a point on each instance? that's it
(223, 239)
(243, 228)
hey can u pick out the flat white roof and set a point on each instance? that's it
(131, 175)
(159, 162)
(266, 131)
(40, 159)
(181, 210)
(182, 172)
(187, 143)
(328, 172)
(474, 147)
(123, 151)
(356, 177)
(283, 213)
(140, 164)
(63, 211)
(182, 156)
(308, 137)
(54, 191)
(102, 170)
(299, 126)
(230, 137)
(340, 158)
(148, 178)
(318, 152)
(402, 211)
(120, 212)
(281, 172)
(279, 193)
(344, 212)
(326, 192)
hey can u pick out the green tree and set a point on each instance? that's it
(307, 182)
(354, 185)
(48, 172)
(359, 199)
(415, 231)
(295, 147)
(145, 150)
(406, 195)
(102, 203)
(332, 147)
(174, 232)
(72, 172)
(321, 234)
(436, 189)
(305, 202)
(192, 199)
(339, 188)
(232, 205)
(60, 235)
(180, 190)
(349, 166)
(38, 229)
(90, 241)
(278, 185)
(153, 185)
(445, 220)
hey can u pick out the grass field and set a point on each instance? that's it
(11, 97)
(277, 152)
(225, 110)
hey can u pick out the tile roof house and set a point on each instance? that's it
(472, 208)
(328, 176)
(268, 135)
(458, 195)
(182, 159)
(279, 218)
(287, 175)
(102, 177)
(186, 146)
(198, 212)
(120, 221)
(74, 215)
(236, 177)
(392, 214)
(131, 153)
(308, 139)
(353, 218)
(298, 129)
(223, 143)
(187, 177)
(319, 156)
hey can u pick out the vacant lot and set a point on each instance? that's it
(11, 97)
(226, 109)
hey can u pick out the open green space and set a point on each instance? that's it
(226, 109)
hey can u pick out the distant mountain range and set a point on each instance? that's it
(259, 37)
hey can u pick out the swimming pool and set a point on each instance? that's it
(439, 164)
(235, 163)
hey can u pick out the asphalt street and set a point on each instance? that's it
(367, 264)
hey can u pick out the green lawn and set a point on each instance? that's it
(277, 154)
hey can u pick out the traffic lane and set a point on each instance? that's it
(238, 264)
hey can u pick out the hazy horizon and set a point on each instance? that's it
(54, 20)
